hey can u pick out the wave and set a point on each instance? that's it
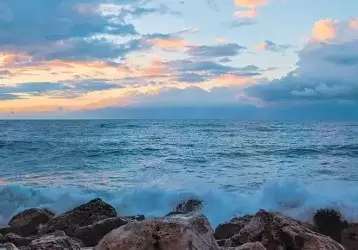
(290, 197)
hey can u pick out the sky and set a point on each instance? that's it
(244, 59)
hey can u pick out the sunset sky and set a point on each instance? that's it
(179, 58)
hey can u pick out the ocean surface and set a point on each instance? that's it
(148, 166)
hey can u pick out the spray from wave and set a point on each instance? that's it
(290, 197)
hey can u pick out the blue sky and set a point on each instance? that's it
(123, 58)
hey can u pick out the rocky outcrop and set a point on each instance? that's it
(15, 239)
(329, 222)
(54, 242)
(84, 215)
(350, 237)
(26, 223)
(92, 234)
(188, 206)
(276, 231)
(251, 246)
(229, 229)
(186, 232)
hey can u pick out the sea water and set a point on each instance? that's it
(148, 166)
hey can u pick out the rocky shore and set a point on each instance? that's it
(96, 225)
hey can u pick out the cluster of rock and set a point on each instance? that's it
(96, 225)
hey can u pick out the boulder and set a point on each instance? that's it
(229, 229)
(8, 246)
(188, 206)
(84, 215)
(251, 246)
(276, 231)
(350, 237)
(92, 234)
(53, 242)
(26, 223)
(329, 222)
(187, 232)
(15, 239)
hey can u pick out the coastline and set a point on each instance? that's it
(97, 225)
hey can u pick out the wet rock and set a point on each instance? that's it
(53, 242)
(92, 234)
(188, 206)
(84, 215)
(350, 237)
(276, 231)
(133, 218)
(26, 223)
(329, 222)
(8, 246)
(188, 232)
(229, 229)
(15, 239)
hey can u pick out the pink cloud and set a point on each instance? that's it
(324, 30)
(171, 43)
(249, 3)
(251, 13)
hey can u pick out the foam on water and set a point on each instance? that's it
(290, 197)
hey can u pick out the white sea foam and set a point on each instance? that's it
(290, 197)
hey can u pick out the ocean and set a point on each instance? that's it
(148, 166)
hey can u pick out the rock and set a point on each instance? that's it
(15, 239)
(251, 246)
(5, 230)
(188, 206)
(55, 243)
(8, 246)
(329, 222)
(350, 237)
(227, 230)
(84, 215)
(276, 231)
(188, 232)
(92, 234)
(26, 223)
(133, 218)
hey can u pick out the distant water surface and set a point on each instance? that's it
(146, 166)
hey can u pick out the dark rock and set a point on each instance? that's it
(227, 230)
(5, 230)
(221, 243)
(276, 231)
(52, 242)
(329, 222)
(92, 234)
(133, 218)
(350, 237)
(84, 215)
(26, 223)
(186, 207)
(189, 206)
(15, 239)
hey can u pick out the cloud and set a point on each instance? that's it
(222, 50)
(170, 43)
(353, 23)
(225, 60)
(271, 46)
(326, 71)
(251, 13)
(239, 24)
(324, 30)
(45, 21)
(249, 3)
